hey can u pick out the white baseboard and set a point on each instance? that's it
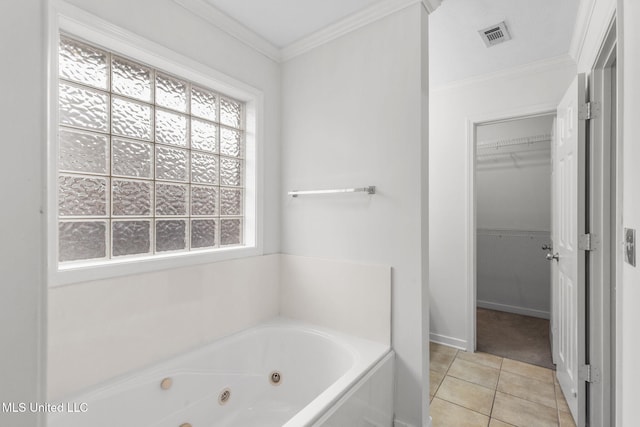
(514, 309)
(448, 341)
(398, 423)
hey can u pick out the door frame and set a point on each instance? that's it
(471, 207)
(605, 261)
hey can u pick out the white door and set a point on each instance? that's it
(568, 223)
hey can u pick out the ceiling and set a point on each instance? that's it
(540, 29)
(283, 22)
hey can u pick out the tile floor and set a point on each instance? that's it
(480, 389)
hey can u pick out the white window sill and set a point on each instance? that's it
(104, 269)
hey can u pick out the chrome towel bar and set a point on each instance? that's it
(369, 190)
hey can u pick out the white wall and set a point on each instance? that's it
(22, 288)
(353, 116)
(629, 295)
(513, 196)
(489, 97)
(345, 296)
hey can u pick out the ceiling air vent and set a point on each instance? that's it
(495, 34)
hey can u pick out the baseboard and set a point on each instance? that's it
(448, 341)
(398, 423)
(513, 309)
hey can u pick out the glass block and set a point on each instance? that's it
(82, 63)
(131, 79)
(203, 233)
(204, 135)
(82, 196)
(131, 119)
(81, 240)
(230, 201)
(171, 164)
(83, 107)
(204, 103)
(171, 235)
(132, 158)
(230, 232)
(130, 237)
(171, 128)
(230, 112)
(230, 142)
(171, 93)
(171, 199)
(131, 197)
(204, 201)
(83, 152)
(230, 172)
(204, 168)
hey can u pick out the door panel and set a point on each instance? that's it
(568, 219)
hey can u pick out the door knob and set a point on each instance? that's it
(551, 256)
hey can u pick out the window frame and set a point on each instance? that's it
(70, 20)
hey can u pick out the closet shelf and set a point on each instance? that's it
(513, 142)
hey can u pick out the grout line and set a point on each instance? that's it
(530, 378)
(463, 407)
(525, 399)
(495, 392)
(555, 394)
(446, 372)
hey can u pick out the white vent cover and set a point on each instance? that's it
(495, 34)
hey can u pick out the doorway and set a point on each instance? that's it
(513, 231)
(605, 223)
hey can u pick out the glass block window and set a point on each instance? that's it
(148, 162)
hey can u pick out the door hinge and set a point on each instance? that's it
(584, 242)
(588, 111)
(589, 374)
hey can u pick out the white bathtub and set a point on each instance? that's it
(319, 370)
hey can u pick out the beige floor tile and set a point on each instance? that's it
(560, 400)
(526, 370)
(443, 349)
(440, 357)
(527, 388)
(435, 378)
(474, 373)
(446, 414)
(466, 394)
(566, 420)
(522, 413)
(497, 423)
(485, 359)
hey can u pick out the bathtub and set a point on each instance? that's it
(281, 373)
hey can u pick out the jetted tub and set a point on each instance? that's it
(282, 373)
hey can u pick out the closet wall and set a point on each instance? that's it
(514, 215)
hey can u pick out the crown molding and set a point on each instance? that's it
(346, 25)
(236, 29)
(519, 70)
(431, 5)
(232, 27)
(581, 27)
